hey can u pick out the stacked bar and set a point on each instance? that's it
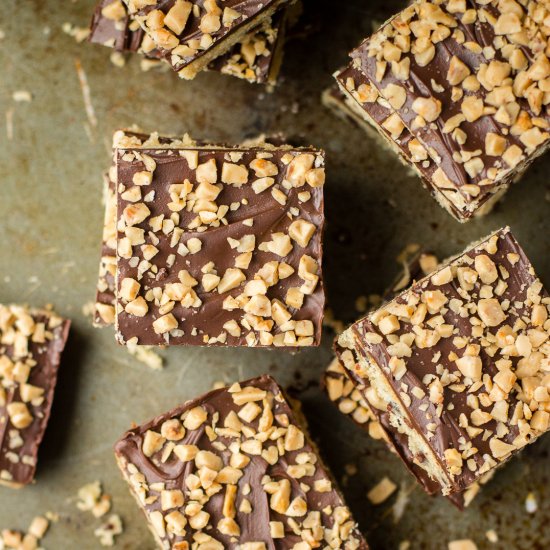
(168, 30)
(212, 245)
(235, 469)
(459, 365)
(357, 401)
(459, 91)
(31, 343)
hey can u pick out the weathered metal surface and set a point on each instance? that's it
(50, 227)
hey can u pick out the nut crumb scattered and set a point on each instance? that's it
(382, 491)
(22, 95)
(492, 536)
(404, 545)
(464, 544)
(147, 65)
(350, 470)
(102, 506)
(9, 124)
(331, 322)
(88, 496)
(92, 499)
(107, 532)
(11, 539)
(531, 504)
(52, 517)
(117, 59)
(361, 304)
(78, 33)
(88, 309)
(403, 498)
(145, 355)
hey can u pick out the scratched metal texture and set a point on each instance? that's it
(50, 227)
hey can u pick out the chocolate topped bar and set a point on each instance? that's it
(468, 82)
(255, 58)
(219, 245)
(31, 343)
(460, 363)
(104, 308)
(372, 112)
(359, 401)
(235, 469)
(191, 34)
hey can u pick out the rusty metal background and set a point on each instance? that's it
(50, 227)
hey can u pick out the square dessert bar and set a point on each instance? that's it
(191, 34)
(358, 400)
(219, 245)
(235, 469)
(104, 307)
(255, 58)
(459, 363)
(31, 344)
(465, 86)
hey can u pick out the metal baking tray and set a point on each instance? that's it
(52, 156)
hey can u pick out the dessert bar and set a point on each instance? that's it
(465, 89)
(235, 469)
(459, 364)
(190, 35)
(31, 344)
(219, 245)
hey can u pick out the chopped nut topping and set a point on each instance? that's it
(382, 491)
(428, 108)
(31, 342)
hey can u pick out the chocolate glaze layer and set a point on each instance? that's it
(106, 289)
(377, 112)
(43, 374)
(254, 526)
(268, 216)
(121, 35)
